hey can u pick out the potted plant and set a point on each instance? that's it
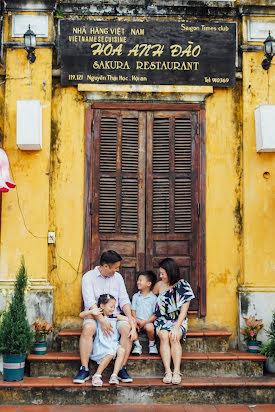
(250, 332)
(41, 329)
(16, 337)
(268, 348)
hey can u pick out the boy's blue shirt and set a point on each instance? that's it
(144, 305)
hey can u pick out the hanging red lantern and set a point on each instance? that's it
(5, 180)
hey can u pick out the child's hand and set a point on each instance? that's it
(141, 323)
(96, 311)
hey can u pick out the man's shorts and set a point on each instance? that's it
(119, 322)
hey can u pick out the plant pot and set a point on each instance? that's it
(253, 346)
(270, 365)
(40, 348)
(13, 367)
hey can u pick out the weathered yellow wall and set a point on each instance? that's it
(24, 232)
(258, 192)
(223, 211)
(50, 184)
(67, 202)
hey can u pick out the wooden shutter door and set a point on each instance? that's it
(172, 193)
(118, 189)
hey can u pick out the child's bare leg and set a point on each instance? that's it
(119, 360)
(150, 331)
(103, 364)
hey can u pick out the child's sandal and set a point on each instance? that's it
(114, 379)
(176, 380)
(96, 380)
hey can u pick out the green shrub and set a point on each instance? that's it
(268, 348)
(16, 336)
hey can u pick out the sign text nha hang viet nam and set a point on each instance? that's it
(161, 52)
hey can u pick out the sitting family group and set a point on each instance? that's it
(159, 308)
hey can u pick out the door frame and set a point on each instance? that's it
(89, 123)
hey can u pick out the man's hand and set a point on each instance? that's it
(106, 327)
(132, 335)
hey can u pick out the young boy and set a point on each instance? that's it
(143, 306)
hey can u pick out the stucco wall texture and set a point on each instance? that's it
(240, 188)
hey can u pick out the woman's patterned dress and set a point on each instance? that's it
(168, 306)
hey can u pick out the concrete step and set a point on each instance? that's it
(197, 341)
(194, 364)
(62, 391)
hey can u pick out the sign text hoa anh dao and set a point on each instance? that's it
(150, 52)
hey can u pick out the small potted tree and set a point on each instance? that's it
(268, 348)
(16, 337)
(250, 332)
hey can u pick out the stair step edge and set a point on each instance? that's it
(236, 355)
(190, 333)
(152, 382)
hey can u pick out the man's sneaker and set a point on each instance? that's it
(82, 375)
(153, 350)
(137, 350)
(123, 375)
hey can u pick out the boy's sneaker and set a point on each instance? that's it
(82, 375)
(153, 350)
(137, 350)
(123, 375)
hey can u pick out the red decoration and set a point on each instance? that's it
(5, 180)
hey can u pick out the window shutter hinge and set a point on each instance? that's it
(198, 209)
(198, 128)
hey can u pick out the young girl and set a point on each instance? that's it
(106, 348)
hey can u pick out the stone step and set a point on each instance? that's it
(230, 364)
(197, 341)
(37, 391)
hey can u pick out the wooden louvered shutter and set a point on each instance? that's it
(118, 195)
(172, 192)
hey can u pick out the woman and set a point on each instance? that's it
(171, 312)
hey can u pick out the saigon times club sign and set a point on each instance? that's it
(162, 52)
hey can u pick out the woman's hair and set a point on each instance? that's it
(172, 270)
(104, 299)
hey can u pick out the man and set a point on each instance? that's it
(105, 279)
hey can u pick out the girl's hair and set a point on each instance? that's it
(104, 299)
(172, 270)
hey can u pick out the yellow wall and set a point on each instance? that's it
(25, 218)
(258, 192)
(67, 202)
(240, 211)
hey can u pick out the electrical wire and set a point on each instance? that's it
(45, 237)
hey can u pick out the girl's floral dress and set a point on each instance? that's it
(168, 306)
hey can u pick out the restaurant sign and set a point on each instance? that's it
(160, 52)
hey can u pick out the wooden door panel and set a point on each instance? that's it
(145, 191)
(172, 148)
(118, 201)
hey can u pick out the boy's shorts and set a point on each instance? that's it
(143, 329)
(119, 322)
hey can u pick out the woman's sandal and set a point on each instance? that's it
(167, 377)
(96, 380)
(176, 380)
(114, 379)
